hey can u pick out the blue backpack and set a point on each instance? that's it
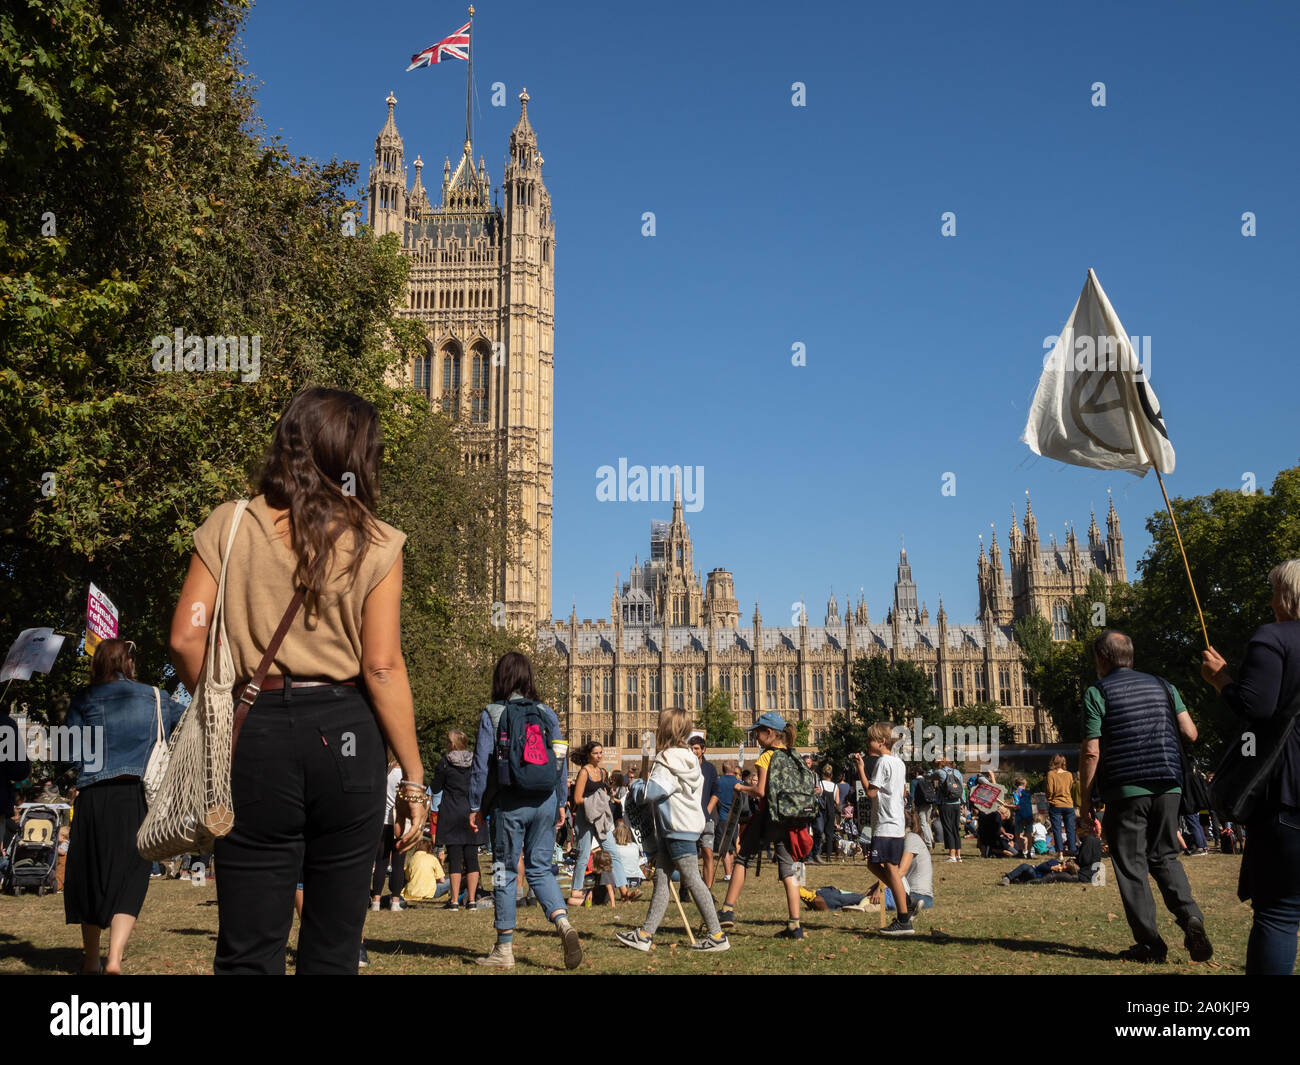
(524, 753)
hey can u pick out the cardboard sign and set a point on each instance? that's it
(986, 796)
(101, 619)
(33, 652)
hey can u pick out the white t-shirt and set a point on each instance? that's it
(390, 799)
(828, 787)
(1040, 831)
(887, 810)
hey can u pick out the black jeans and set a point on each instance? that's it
(308, 782)
(1143, 837)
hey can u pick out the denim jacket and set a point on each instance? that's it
(117, 729)
(485, 744)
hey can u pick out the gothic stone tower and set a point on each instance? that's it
(482, 283)
(1044, 577)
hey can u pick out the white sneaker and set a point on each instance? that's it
(952, 859)
(633, 939)
(395, 903)
(374, 906)
(716, 945)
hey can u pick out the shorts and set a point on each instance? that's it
(709, 835)
(758, 832)
(717, 836)
(1024, 824)
(886, 850)
(680, 848)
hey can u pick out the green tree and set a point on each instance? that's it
(139, 194)
(983, 713)
(1232, 539)
(453, 630)
(890, 691)
(801, 732)
(882, 691)
(718, 722)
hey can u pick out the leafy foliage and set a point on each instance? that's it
(718, 722)
(140, 194)
(882, 691)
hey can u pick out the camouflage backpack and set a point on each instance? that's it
(791, 790)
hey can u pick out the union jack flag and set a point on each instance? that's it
(453, 47)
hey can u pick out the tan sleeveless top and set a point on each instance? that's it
(259, 585)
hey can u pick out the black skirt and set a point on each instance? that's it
(105, 874)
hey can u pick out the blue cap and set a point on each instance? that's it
(771, 720)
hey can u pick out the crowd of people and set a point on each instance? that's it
(331, 800)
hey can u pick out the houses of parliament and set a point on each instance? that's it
(482, 283)
(670, 640)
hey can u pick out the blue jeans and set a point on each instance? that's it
(1056, 813)
(914, 902)
(585, 835)
(1197, 830)
(526, 828)
(1271, 950)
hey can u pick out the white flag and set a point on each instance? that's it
(1094, 405)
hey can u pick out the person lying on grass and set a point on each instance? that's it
(1052, 871)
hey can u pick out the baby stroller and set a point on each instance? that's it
(33, 855)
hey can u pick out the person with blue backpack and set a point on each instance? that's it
(519, 777)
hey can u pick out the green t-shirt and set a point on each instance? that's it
(1094, 709)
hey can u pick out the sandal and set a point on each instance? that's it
(631, 896)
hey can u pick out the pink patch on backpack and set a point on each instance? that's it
(534, 748)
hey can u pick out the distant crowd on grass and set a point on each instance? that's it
(310, 617)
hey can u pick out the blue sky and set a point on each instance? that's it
(820, 225)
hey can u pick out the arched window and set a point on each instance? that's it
(423, 373)
(450, 381)
(1060, 621)
(480, 369)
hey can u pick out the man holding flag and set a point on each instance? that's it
(1094, 407)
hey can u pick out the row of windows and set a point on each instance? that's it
(1005, 693)
(448, 299)
(688, 693)
(824, 694)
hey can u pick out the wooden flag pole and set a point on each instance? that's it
(1190, 583)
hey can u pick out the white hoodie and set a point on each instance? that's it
(675, 786)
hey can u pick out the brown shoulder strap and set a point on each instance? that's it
(254, 686)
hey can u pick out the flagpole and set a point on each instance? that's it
(469, 78)
(1183, 550)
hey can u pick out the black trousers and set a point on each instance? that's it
(308, 781)
(1143, 837)
(950, 819)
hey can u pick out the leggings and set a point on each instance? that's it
(388, 853)
(689, 869)
(462, 858)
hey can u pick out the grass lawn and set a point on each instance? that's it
(976, 927)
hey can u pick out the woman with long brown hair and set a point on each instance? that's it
(308, 770)
(105, 879)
